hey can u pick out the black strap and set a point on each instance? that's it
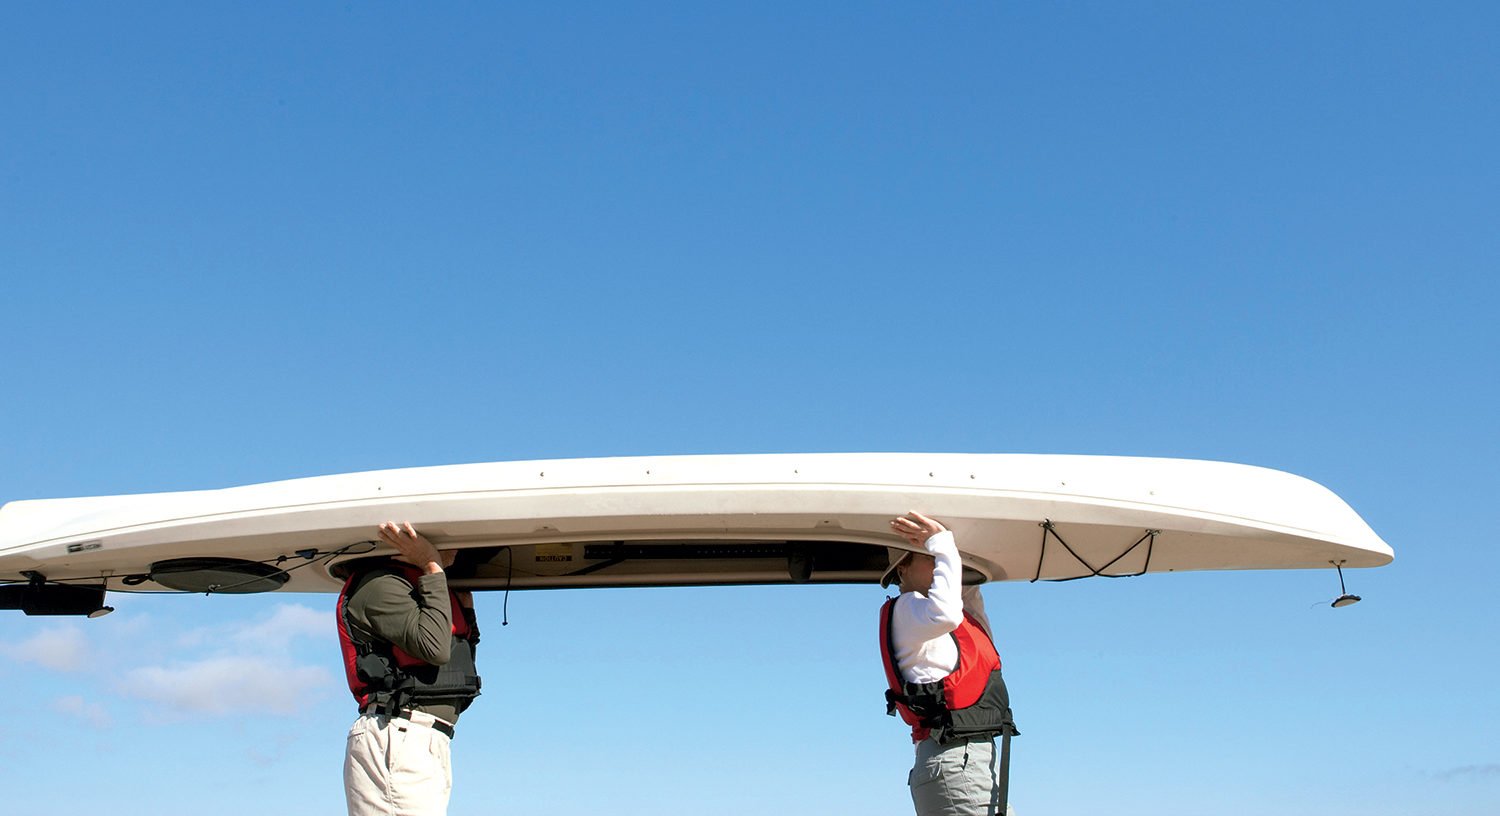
(891, 695)
(405, 714)
(1003, 784)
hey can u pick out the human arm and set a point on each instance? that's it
(974, 605)
(415, 616)
(926, 615)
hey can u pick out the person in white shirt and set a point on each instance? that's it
(924, 630)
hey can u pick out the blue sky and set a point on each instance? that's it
(251, 242)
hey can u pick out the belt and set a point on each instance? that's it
(418, 717)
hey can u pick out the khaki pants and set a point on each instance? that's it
(396, 767)
(958, 779)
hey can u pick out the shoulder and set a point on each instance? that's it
(378, 582)
(900, 604)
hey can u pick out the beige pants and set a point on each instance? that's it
(396, 767)
(955, 780)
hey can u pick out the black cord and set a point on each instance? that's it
(1048, 529)
(310, 556)
(510, 568)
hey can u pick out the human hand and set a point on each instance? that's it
(414, 549)
(916, 528)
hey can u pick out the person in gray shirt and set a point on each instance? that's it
(408, 643)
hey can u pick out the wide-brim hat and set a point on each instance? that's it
(895, 556)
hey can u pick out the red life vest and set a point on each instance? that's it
(971, 701)
(383, 672)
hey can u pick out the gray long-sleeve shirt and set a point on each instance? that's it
(418, 619)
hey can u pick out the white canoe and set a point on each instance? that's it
(693, 520)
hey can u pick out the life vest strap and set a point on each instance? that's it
(923, 699)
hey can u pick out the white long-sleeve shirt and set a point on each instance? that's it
(920, 623)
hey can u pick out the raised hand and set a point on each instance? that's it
(916, 528)
(414, 548)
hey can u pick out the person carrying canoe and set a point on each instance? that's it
(408, 643)
(944, 676)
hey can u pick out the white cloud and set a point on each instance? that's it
(274, 633)
(79, 708)
(288, 621)
(230, 684)
(253, 664)
(61, 648)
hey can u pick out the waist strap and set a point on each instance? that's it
(418, 717)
